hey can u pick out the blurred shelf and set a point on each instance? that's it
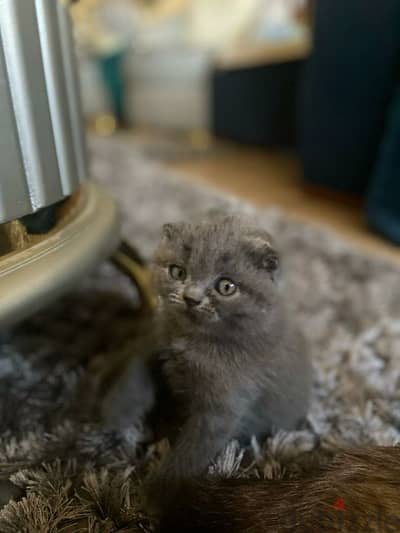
(250, 55)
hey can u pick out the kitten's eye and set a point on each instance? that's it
(226, 287)
(177, 272)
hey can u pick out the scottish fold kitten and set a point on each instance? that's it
(233, 364)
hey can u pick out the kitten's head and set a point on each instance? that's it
(221, 270)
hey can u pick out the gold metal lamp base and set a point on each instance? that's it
(33, 276)
(128, 260)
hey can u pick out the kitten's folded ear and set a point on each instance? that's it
(172, 231)
(261, 250)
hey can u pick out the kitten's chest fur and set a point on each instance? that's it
(180, 375)
(188, 370)
(261, 377)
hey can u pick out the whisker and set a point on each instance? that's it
(209, 311)
(175, 300)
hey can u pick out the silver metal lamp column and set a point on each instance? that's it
(42, 147)
(43, 159)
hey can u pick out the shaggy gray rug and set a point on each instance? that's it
(68, 473)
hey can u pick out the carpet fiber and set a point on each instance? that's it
(69, 473)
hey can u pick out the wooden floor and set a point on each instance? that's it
(271, 178)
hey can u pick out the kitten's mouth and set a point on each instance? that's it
(197, 313)
(193, 313)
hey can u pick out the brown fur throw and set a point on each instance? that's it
(358, 491)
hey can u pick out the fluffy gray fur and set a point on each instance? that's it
(234, 365)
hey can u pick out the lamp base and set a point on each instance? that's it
(31, 277)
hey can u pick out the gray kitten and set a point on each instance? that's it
(233, 363)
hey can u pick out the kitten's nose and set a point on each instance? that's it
(193, 296)
(191, 302)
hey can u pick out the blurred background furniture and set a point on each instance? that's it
(168, 88)
(383, 199)
(257, 104)
(317, 77)
(349, 116)
(188, 63)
